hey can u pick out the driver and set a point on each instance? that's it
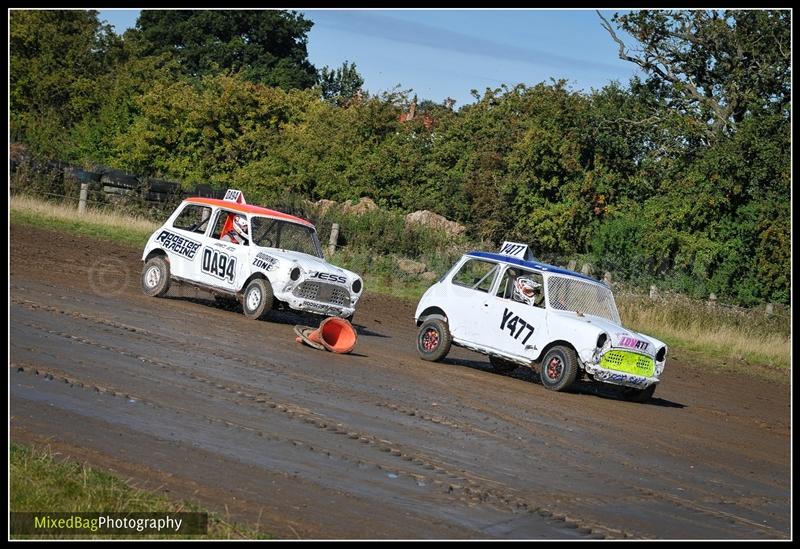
(238, 235)
(527, 290)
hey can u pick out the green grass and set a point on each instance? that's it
(741, 338)
(42, 483)
(100, 224)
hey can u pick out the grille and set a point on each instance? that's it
(325, 293)
(624, 361)
(568, 294)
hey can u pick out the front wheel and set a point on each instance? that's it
(559, 368)
(639, 395)
(257, 299)
(434, 340)
(155, 276)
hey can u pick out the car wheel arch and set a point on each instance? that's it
(157, 252)
(432, 312)
(562, 343)
(252, 277)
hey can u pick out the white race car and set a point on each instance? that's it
(522, 312)
(263, 258)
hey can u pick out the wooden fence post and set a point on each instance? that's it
(82, 200)
(333, 239)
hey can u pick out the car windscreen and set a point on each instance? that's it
(276, 233)
(569, 294)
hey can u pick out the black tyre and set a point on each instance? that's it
(433, 339)
(559, 368)
(639, 395)
(155, 276)
(257, 299)
(502, 365)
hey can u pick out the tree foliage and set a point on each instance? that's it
(720, 65)
(56, 60)
(341, 85)
(681, 178)
(266, 46)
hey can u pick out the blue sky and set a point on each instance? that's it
(447, 53)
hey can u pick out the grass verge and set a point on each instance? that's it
(740, 339)
(94, 223)
(41, 483)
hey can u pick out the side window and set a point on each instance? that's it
(193, 218)
(476, 274)
(507, 283)
(523, 286)
(223, 228)
(222, 217)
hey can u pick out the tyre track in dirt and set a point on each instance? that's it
(498, 455)
(460, 484)
(283, 407)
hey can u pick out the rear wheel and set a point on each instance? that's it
(433, 339)
(258, 298)
(639, 395)
(155, 276)
(502, 365)
(559, 368)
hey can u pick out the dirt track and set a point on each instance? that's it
(182, 395)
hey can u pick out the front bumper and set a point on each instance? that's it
(319, 298)
(624, 367)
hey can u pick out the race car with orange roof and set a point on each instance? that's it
(262, 258)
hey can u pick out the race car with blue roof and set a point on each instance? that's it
(523, 312)
(262, 258)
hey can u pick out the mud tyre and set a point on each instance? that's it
(434, 340)
(155, 276)
(501, 365)
(257, 299)
(638, 395)
(559, 368)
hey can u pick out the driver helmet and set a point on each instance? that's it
(526, 290)
(240, 225)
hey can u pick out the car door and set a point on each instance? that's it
(469, 288)
(515, 322)
(184, 237)
(221, 262)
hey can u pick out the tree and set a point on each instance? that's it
(341, 85)
(266, 46)
(720, 66)
(56, 58)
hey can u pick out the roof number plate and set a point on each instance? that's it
(515, 249)
(233, 195)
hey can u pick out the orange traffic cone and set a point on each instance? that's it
(334, 334)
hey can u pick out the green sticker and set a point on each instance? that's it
(630, 363)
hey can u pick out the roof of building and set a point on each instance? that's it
(249, 209)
